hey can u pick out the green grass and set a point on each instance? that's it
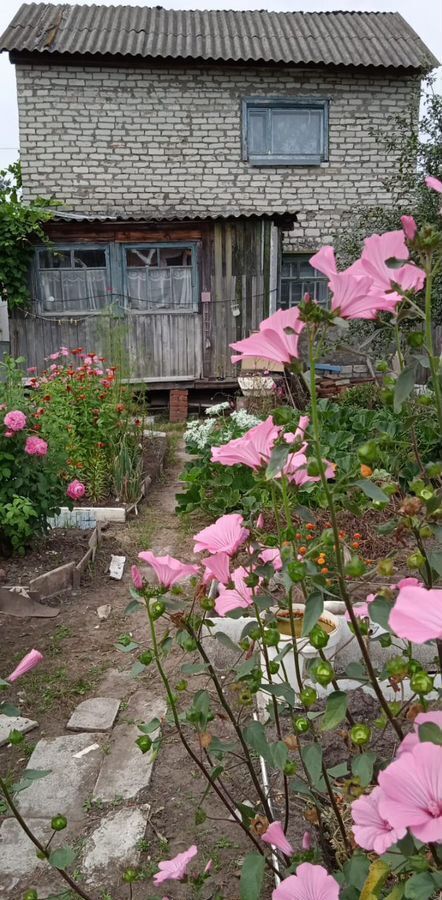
(45, 690)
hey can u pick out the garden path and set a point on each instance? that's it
(117, 816)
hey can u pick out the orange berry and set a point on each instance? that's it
(325, 571)
(342, 534)
(357, 536)
(298, 535)
(309, 537)
(356, 545)
(310, 526)
(302, 550)
(366, 471)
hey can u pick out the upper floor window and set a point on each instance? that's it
(73, 279)
(298, 278)
(161, 276)
(285, 132)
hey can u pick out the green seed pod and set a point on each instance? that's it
(368, 452)
(318, 637)
(271, 637)
(385, 640)
(146, 657)
(302, 725)
(308, 696)
(397, 667)
(274, 667)
(144, 743)
(355, 568)
(129, 876)
(323, 672)
(415, 560)
(290, 768)
(30, 895)
(421, 683)
(157, 609)
(58, 823)
(360, 735)
(385, 567)
(207, 604)
(181, 685)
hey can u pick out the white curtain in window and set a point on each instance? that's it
(165, 288)
(73, 290)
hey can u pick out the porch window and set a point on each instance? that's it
(161, 277)
(298, 278)
(285, 132)
(72, 280)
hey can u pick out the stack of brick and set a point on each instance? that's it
(330, 384)
(178, 405)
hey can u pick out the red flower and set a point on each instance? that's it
(120, 407)
(77, 351)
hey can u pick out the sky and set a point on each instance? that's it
(425, 16)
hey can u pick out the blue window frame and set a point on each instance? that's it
(72, 278)
(298, 278)
(161, 277)
(285, 131)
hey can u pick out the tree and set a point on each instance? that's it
(20, 225)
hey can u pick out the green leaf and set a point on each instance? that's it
(255, 736)
(137, 669)
(435, 559)
(247, 813)
(314, 606)
(151, 727)
(371, 490)
(279, 753)
(356, 671)
(7, 709)
(132, 607)
(335, 710)
(362, 767)
(339, 771)
(312, 758)
(281, 690)
(380, 610)
(127, 648)
(62, 858)
(403, 387)
(376, 878)
(278, 460)
(420, 887)
(226, 641)
(252, 877)
(194, 668)
(429, 732)
(245, 669)
(356, 870)
(30, 775)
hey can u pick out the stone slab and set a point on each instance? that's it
(71, 778)
(125, 770)
(95, 714)
(112, 845)
(18, 860)
(17, 723)
(51, 583)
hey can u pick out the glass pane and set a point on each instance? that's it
(141, 256)
(89, 259)
(175, 256)
(54, 259)
(296, 132)
(160, 294)
(305, 269)
(181, 280)
(257, 132)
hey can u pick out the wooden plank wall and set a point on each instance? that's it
(155, 345)
(239, 287)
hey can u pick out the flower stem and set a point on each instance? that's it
(434, 362)
(42, 849)
(339, 559)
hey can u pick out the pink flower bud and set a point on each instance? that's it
(30, 661)
(306, 841)
(260, 521)
(409, 226)
(137, 577)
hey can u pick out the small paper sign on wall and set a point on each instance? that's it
(206, 296)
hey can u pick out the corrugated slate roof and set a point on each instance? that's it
(173, 214)
(333, 38)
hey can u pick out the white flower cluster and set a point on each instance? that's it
(199, 433)
(243, 419)
(217, 408)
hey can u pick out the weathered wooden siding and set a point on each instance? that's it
(237, 278)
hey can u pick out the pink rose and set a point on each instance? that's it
(76, 490)
(15, 420)
(36, 446)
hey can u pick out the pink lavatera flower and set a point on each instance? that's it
(310, 883)
(253, 449)
(434, 183)
(411, 740)
(353, 297)
(226, 535)
(238, 597)
(175, 869)
(417, 613)
(29, 662)
(217, 566)
(296, 469)
(277, 338)
(412, 792)
(371, 830)
(272, 555)
(168, 570)
(391, 245)
(276, 838)
(290, 437)
(362, 610)
(325, 261)
(409, 226)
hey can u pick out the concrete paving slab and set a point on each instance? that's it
(19, 863)
(17, 723)
(112, 845)
(95, 714)
(71, 778)
(126, 770)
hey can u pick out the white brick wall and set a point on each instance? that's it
(107, 140)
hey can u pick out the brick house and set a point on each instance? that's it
(200, 156)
